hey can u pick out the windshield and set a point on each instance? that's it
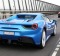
(26, 16)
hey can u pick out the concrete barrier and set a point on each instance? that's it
(55, 17)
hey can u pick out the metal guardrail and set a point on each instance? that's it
(6, 14)
(28, 5)
(25, 11)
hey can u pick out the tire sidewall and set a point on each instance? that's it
(54, 32)
(41, 45)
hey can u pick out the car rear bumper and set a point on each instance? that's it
(21, 39)
(25, 37)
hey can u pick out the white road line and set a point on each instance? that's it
(59, 42)
(54, 53)
(56, 49)
(58, 45)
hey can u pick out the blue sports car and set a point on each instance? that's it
(33, 28)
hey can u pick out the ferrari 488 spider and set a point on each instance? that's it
(33, 28)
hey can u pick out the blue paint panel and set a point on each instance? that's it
(22, 27)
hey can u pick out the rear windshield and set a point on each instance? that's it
(26, 16)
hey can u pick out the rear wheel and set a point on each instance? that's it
(43, 40)
(54, 32)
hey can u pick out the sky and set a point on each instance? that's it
(57, 2)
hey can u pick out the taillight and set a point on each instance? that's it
(35, 26)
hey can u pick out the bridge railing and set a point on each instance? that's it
(6, 14)
(28, 5)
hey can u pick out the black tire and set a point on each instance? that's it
(54, 31)
(43, 40)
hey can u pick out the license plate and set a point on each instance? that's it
(9, 33)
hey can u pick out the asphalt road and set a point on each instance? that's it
(14, 50)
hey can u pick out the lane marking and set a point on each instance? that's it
(57, 48)
(59, 42)
(54, 53)
(58, 45)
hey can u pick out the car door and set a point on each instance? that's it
(49, 25)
